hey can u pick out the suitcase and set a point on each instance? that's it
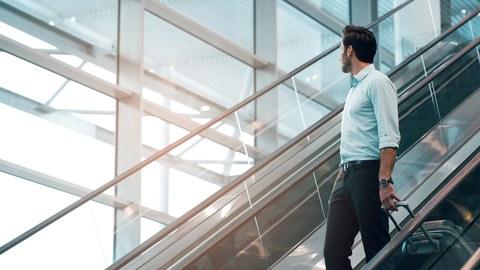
(437, 244)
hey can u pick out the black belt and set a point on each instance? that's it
(349, 165)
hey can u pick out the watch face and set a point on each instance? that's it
(384, 182)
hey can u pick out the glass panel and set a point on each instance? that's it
(463, 78)
(300, 38)
(457, 10)
(384, 6)
(432, 59)
(88, 232)
(339, 9)
(245, 246)
(58, 135)
(458, 125)
(193, 66)
(282, 224)
(436, 100)
(411, 28)
(231, 19)
(86, 30)
(206, 162)
(23, 205)
(59, 125)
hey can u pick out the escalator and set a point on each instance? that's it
(293, 216)
(296, 213)
(452, 219)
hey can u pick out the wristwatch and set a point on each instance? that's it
(384, 182)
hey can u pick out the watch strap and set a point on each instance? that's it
(384, 182)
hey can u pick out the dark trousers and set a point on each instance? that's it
(355, 206)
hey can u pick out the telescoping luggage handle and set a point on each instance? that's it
(404, 204)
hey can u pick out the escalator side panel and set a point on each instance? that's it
(301, 205)
(455, 223)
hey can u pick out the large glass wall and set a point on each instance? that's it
(59, 98)
(57, 110)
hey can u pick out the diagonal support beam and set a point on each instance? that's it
(56, 66)
(77, 190)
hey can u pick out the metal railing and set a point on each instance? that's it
(473, 262)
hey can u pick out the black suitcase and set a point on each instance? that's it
(437, 244)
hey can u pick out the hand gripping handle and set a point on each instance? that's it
(404, 204)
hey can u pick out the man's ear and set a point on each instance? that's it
(350, 51)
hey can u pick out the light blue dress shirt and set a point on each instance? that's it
(370, 117)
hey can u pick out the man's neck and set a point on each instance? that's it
(357, 67)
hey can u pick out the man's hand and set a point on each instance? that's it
(387, 195)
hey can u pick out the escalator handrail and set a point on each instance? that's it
(422, 214)
(438, 71)
(179, 142)
(258, 208)
(473, 262)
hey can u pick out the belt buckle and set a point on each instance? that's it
(348, 165)
(345, 166)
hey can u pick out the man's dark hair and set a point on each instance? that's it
(362, 41)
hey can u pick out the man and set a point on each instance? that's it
(369, 139)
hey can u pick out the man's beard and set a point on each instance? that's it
(346, 64)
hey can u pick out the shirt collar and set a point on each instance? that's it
(362, 74)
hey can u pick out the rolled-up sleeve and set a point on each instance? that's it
(385, 104)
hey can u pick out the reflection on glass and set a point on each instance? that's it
(187, 62)
(59, 123)
(90, 228)
(282, 224)
(436, 100)
(339, 9)
(23, 216)
(300, 38)
(229, 18)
